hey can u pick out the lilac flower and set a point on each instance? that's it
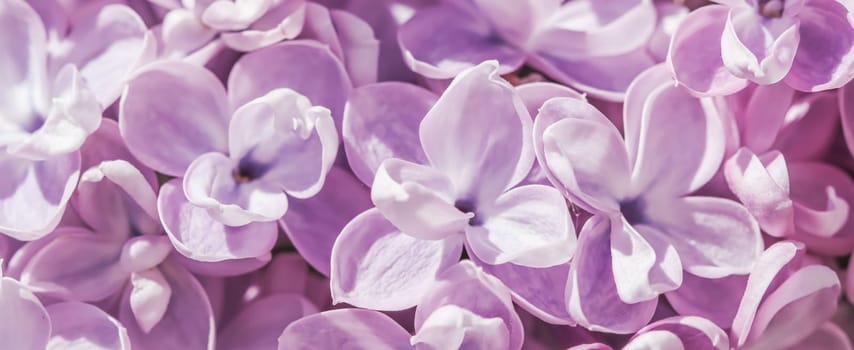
(242, 25)
(808, 44)
(780, 179)
(425, 212)
(278, 138)
(53, 96)
(597, 47)
(647, 226)
(464, 308)
(689, 332)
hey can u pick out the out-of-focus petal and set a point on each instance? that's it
(591, 290)
(528, 226)
(758, 49)
(76, 265)
(182, 31)
(257, 328)
(761, 183)
(586, 155)
(182, 106)
(349, 37)
(375, 266)
(418, 200)
(30, 328)
(80, 326)
(283, 21)
(829, 336)
(479, 126)
(823, 197)
(199, 236)
(34, 194)
(442, 41)
(188, 322)
(695, 53)
(468, 287)
(360, 329)
(381, 121)
(714, 237)
(306, 67)
(825, 57)
(313, 224)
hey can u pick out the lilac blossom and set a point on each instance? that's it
(426, 212)
(807, 44)
(647, 227)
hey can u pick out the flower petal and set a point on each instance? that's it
(761, 183)
(714, 299)
(692, 333)
(418, 200)
(313, 224)
(30, 328)
(76, 325)
(829, 336)
(758, 49)
(210, 183)
(149, 297)
(453, 327)
(381, 121)
(528, 226)
(825, 57)
(823, 196)
(199, 236)
(291, 143)
(442, 41)
(673, 119)
(580, 149)
(479, 126)
(256, 328)
(188, 322)
(644, 263)
(306, 67)
(24, 73)
(284, 20)
(714, 237)
(375, 266)
(695, 53)
(361, 329)
(34, 194)
(466, 286)
(591, 290)
(165, 101)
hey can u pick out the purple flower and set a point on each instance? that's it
(426, 212)
(808, 44)
(647, 226)
(240, 152)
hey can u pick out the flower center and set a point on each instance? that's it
(633, 211)
(247, 171)
(468, 206)
(771, 8)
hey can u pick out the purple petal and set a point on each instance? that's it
(580, 149)
(714, 237)
(34, 194)
(714, 299)
(283, 21)
(459, 134)
(163, 102)
(528, 226)
(418, 200)
(256, 328)
(761, 183)
(644, 263)
(673, 119)
(313, 224)
(24, 70)
(375, 266)
(349, 37)
(695, 53)
(76, 325)
(807, 132)
(591, 290)
(468, 287)
(306, 67)
(381, 121)
(829, 336)
(30, 327)
(823, 196)
(758, 49)
(188, 322)
(442, 41)
(294, 149)
(692, 333)
(453, 327)
(359, 329)
(825, 57)
(199, 236)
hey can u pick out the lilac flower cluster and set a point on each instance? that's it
(426, 174)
